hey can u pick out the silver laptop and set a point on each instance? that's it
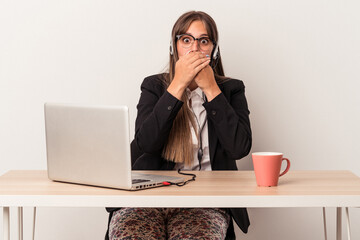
(91, 145)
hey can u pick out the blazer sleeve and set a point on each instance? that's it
(229, 114)
(157, 110)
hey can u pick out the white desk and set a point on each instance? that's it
(211, 189)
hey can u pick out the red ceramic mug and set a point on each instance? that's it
(267, 167)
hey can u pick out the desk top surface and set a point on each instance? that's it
(211, 188)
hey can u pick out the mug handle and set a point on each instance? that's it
(287, 166)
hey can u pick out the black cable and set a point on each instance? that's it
(193, 177)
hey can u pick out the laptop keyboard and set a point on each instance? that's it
(134, 181)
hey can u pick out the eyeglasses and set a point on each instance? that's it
(187, 40)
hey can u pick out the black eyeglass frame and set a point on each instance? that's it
(198, 39)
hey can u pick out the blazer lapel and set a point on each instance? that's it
(212, 142)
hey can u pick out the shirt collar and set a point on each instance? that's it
(194, 92)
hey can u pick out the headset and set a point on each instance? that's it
(214, 54)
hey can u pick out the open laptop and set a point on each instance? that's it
(91, 145)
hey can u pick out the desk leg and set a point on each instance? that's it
(324, 222)
(34, 221)
(20, 224)
(348, 223)
(6, 223)
(338, 223)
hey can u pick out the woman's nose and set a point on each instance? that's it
(195, 46)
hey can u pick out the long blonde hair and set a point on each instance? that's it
(179, 147)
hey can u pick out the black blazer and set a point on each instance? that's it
(228, 129)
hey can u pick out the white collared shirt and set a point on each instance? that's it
(197, 99)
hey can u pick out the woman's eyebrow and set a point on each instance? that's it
(202, 35)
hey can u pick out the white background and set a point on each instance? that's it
(299, 61)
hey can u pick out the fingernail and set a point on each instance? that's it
(207, 56)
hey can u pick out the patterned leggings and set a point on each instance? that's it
(169, 223)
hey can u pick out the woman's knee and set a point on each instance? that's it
(199, 223)
(139, 223)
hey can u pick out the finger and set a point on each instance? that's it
(188, 54)
(201, 66)
(199, 62)
(194, 56)
(186, 57)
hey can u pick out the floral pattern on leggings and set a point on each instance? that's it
(169, 223)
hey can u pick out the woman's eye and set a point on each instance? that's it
(186, 40)
(204, 41)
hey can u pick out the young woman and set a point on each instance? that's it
(191, 118)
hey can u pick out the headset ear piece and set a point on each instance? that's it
(216, 52)
(171, 50)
